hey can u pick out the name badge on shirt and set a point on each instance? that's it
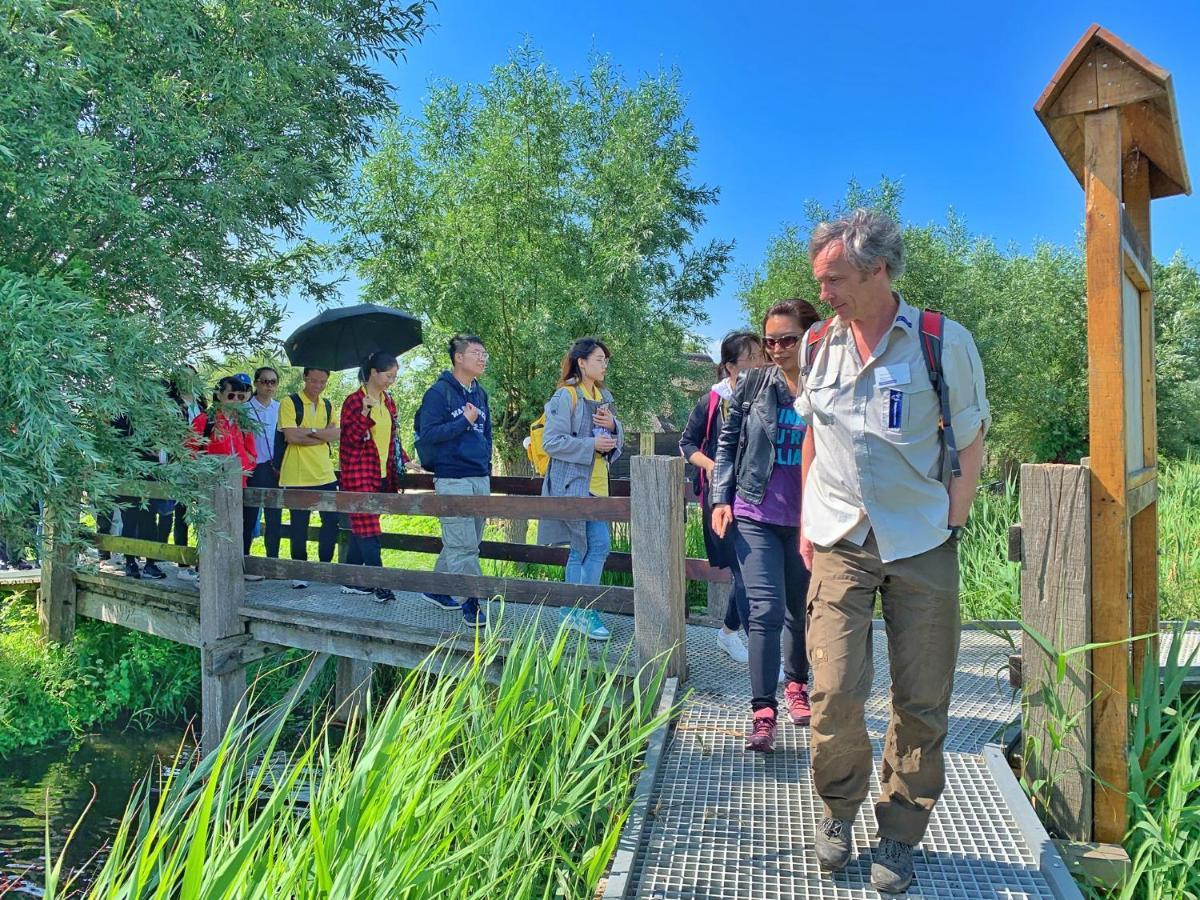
(890, 376)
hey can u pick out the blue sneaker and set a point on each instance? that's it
(586, 622)
(441, 601)
(473, 614)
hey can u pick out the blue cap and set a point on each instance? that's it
(243, 379)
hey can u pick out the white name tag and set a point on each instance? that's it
(890, 376)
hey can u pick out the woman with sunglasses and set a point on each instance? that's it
(218, 425)
(756, 486)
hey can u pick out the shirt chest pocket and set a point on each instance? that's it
(822, 388)
(909, 412)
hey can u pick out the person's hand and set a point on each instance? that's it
(709, 466)
(471, 412)
(722, 515)
(605, 443)
(603, 418)
(806, 552)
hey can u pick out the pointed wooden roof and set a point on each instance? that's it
(1102, 72)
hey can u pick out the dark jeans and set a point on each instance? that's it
(136, 522)
(298, 530)
(263, 476)
(174, 524)
(776, 585)
(737, 599)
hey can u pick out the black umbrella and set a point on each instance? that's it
(342, 338)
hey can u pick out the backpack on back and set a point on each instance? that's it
(427, 453)
(534, 448)
(931, 330)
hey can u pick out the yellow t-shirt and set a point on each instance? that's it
(381, 433)
(306, 466)
(598, 487)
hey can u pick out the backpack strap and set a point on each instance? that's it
(298, 407)
(812, 343)
(932, 331)
(714, 402)
(328, 411)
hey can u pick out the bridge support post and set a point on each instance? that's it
(222, 591)
(351, 684)
(57, 594)
(657, 527)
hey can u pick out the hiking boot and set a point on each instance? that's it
(732, 645)
(796, 696)
(151, 570)
(442, 601)
(892, 866)
(131, 568)
(473, 613)
(761, 738)
(834, 844)
(383, 595)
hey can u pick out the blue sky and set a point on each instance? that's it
(792, 100)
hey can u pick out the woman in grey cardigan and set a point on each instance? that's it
(583, 438)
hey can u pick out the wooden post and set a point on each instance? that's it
(57, 594)
(1143, 528)
(656, 529)
(351, 685)
(718, 599)
(222, 591)
(1110, 523)
(646, 443)
(1055, 589)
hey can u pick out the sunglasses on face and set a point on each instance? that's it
(237, 395)
(267, 382)
(786, 342)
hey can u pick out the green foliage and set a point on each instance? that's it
(533, 210)
(454, 787)
(1028, 314)
(1179, 539)
(157, 163)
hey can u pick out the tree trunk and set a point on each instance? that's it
(516, 531)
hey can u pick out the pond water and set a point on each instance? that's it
(60, 782)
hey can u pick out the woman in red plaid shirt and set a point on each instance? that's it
(370, 456)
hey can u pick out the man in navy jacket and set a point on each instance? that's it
(454, 441)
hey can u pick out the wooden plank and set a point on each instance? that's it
(233, 653)
(222, 590)
(160, 594)
(1100, 866)
(718, 600)
(510, 485)
(1055, 590)
(1135, 189)
(1139, 477)
(350, 624)
(164, 623)
(1109, 521)
(1135, 271)
(1140, 497)
(352, 684)
(1118, 83)
(57, 599)
(657, 529)
(1143, 536)
(1151, 129)
(1078, 93)
(1014, 543)
(593, 509)
(183, 556)
(605, 598)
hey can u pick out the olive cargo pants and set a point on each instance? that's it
(920, 611)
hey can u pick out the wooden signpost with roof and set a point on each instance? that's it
(1111, 113)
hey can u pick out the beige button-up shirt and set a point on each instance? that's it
(879, 462)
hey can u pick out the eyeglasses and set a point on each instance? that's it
(237, 395)
(785, 342)
(267, 382)
(479, 354)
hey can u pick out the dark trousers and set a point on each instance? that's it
(263, 476)
(174, 526)
(737, 599)
(776, 585)
(136, 522)
(326, 540)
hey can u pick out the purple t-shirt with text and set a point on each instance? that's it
(781, 502)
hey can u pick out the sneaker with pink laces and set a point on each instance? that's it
(761, 738)
(796, 695)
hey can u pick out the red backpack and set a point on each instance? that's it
(931, 329)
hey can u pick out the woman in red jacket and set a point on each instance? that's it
(370, 455)
(222, 434)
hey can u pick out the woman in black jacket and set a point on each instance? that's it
(756, 496)
(740, 350)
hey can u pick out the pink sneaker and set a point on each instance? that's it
(796, 695)
(762, 732)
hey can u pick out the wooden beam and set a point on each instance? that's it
(1109, 520)
(164, 623)
(657, 528)
(718, 599)
(222, 589)
(352, 684)
(592, 509)
(605, 598)
(185, 556)
(1139, 498)
(1118, 83)
(166, 596)
(1055, 589)
(233, 653)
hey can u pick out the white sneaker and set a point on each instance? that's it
(298, 584)
(249, 577)
(732, 645)
(351, 589)
(782, 675)
(188, 575)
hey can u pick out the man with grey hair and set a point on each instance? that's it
(891, 462)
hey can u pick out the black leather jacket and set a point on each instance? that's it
(746, 449)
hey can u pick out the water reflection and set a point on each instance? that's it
(61, 781)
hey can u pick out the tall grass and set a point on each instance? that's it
(1179, 538)
(455, 788)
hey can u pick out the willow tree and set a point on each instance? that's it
(532, 210)
(158, 162)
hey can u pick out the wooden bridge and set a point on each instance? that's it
(710, 820)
